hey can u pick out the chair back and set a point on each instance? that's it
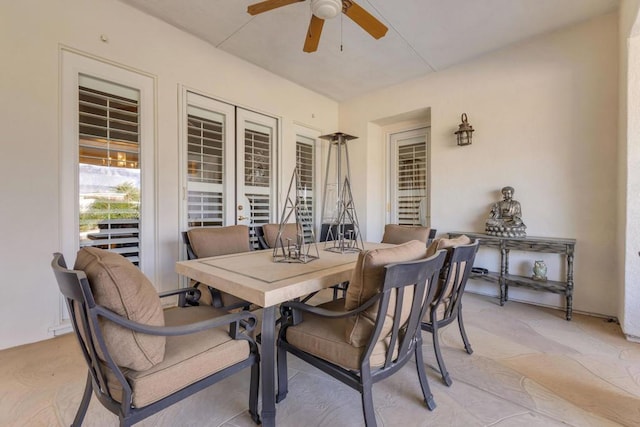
(270, 231)
(398, 234)
(203, 242)
(407, 292)
(453, 281)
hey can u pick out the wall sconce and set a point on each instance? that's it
(463, 134)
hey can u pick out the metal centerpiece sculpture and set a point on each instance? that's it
(340, 229)
(298, 250)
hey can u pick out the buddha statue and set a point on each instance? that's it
(505, 219)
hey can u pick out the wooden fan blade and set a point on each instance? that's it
(267, 5)
(367, 21)
(313, 34)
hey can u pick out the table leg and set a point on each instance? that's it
(267, 360)
(503, 273)
(569, 290)
(506, 273)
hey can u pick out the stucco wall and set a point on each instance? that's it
(546, 115)
(31, 33)
(545, 111)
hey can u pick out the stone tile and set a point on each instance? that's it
(530, 367)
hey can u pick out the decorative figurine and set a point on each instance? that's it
(539, 271)
(505, 219)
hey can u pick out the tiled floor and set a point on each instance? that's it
(530, 367)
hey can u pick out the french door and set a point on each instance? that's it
(409, 171)
(230, 165)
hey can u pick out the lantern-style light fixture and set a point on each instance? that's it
(463, 134)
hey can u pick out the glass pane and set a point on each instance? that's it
(109, 172)
(257, 158)
(205, 150)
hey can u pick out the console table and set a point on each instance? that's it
(560, 246)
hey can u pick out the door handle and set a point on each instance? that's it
(242, 218)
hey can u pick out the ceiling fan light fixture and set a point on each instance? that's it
(326, 9)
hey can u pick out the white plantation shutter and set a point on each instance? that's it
(205, 168)
(410, 178)
(258, 154)
(412, 182)
(305, 164)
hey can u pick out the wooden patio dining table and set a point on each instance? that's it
(255, 277)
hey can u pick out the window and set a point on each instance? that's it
(109, 167)
(410, 178)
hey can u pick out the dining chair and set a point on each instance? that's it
(374, 331)
(141, 358)
(203, 242)
(396, 234)
(447, 303)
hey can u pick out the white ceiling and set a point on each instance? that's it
(424, 36)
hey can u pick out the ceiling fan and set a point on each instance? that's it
(326, 9)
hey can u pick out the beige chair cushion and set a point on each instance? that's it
(188, 358)
(120, 286)
(445, 289)
(271, 233)
(324, 338)
(367, 280)
(214, 241)
(438, 244)
(398, 234)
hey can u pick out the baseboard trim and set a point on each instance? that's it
(554, 307)
(62, 329)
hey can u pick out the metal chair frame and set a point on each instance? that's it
(455, 256)
(83, 308)
(405, 339)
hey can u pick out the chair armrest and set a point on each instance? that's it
(186, 296)
(247, 318)
(178, 292)
(298, 307)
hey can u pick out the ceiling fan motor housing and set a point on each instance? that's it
(326, 9)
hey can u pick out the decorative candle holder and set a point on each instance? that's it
(295, 204)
